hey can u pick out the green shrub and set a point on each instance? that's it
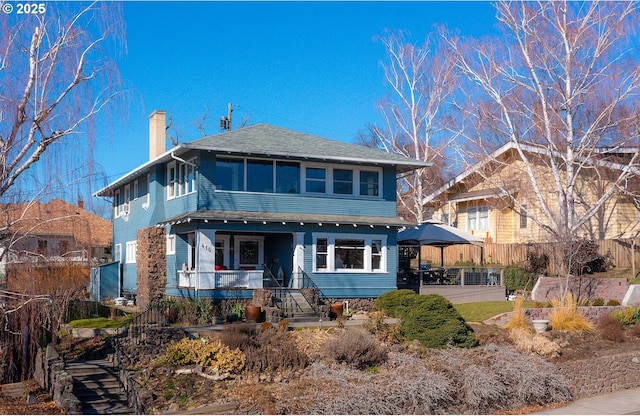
(628, 316)
(597, 302)
(613, 302)
(433, 321)
(392, 302)
(518, 278)
(430, 319)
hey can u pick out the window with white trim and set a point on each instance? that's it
(117, 253)
(315, 180)
(132, 247)
(369, 183)
(349, 253)
(523, 216)
(171, 244)
(477, 219)
(127, 200)
(136, 189)
(181, 178)
(117, 203)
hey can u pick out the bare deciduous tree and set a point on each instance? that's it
(420, 78)
(561, 88)
(58, 73)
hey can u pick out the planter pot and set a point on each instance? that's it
(253, 313)
(216, 320)
(232, 317)
(540, 325)
(335, 310)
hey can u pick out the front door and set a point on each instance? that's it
(249, 252)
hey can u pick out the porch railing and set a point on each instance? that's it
(250, 279)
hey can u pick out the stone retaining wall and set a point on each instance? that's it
(582, 287)
(152, 343)
(599, 375)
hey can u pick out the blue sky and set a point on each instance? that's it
(307, 66)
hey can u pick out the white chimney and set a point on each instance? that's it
(157, 133)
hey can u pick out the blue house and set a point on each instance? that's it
(256, 207)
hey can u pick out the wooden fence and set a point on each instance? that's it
(506, 254)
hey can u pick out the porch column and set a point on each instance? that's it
(298, 260)
(205, 256)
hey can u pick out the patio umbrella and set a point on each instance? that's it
(437, 234)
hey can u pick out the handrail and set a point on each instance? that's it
(308, 283)
(126, 380)
(268, 276)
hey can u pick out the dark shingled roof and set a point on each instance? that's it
(262, 140)
(265, 139)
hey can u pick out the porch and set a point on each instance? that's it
(227, 279)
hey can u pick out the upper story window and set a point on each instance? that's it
(369, 183)
(117, 203)
(316, 180)
(340, 181)
(269, 176)
(287, 177)
(260, 174)
(343, 181)
(181, 178)
(229, 174)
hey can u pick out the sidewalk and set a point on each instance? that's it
(623, 402)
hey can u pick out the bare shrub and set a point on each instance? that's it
(272, 350)
(530, 380)
(384, 332)
(358, 348)
(526, 341)
(634, 330)
(493, 377)
(237, 335)
(404, 386)
(610, 328)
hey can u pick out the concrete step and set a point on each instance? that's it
(97, 387)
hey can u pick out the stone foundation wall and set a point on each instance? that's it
(599, 375)
(151, 266)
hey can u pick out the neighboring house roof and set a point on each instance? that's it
(262, 140)
(284, 217)
(57, 218)
(502, 150)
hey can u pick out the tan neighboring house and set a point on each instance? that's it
(53, 232)
(487, 199)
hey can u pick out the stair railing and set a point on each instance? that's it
(308, 283)
(126, 380)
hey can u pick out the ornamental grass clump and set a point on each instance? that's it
(566, 317)
(518, 319)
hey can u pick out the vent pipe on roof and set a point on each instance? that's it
(157, 133)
